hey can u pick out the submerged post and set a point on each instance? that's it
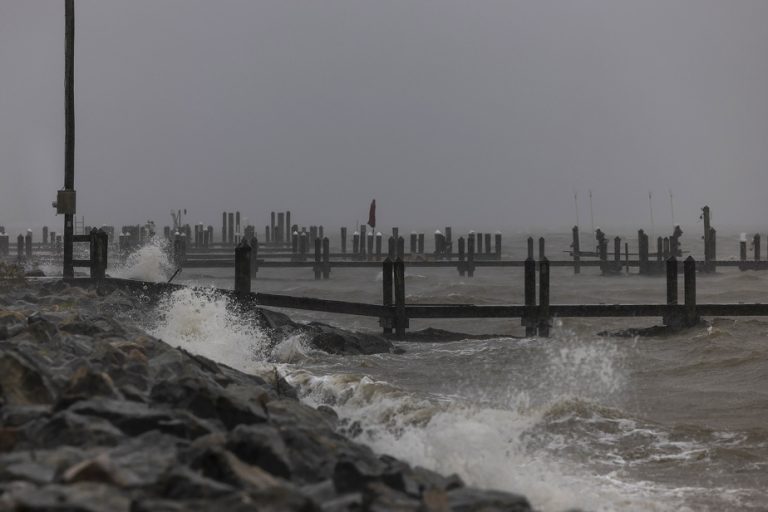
(318, 259)
(243, 267)
(497, 243)
(545, 322)
(326, 258)
(689, 283)
(576, 251)
(671, 318)
(462, 263)
(470, 256)
(529, 319)
(401, 321)
(756, 242)
(386, 289)
(343, 240)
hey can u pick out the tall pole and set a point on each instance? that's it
(69, 140)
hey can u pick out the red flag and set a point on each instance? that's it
(372, 214)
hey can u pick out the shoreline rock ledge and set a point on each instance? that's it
(97, 416)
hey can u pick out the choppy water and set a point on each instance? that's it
(576, 420)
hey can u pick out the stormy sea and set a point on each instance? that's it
(582, 419)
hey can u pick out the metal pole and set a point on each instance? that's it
(69, 137)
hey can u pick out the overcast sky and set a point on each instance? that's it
(481, 113)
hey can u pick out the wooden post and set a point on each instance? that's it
(575, 250)
(438, 244)
(545, 322)
(378, 246)
(756, 242)
(659, 251)
(626, 256)
(69, 134)
(401, 248)
(254, 243)
(318, 258)
(223, 227)
(530, 247)
(237, 228)
(4, 244)
(20, 248)
(209, 237)
(295, 243)
(542, 247)
(343, 240)
(707, 254)
(243, 267)
(362, 240)
(497, 243)
(303, 246)
(462, 263)
(386, 288)
(99, 253)
(288, 226)
(479, 243)
(421, 243)
(617, 253)
(392, 248)
(671, 318)
(280, 227)
(267, 239)
(448, 240)
(370, 244)
(642, 252)
(396, 232)
(45, 235)
(689, 283)
(355, 243)
(666, 248)
(28, 244)
(530, 318)
(273, 227)
(470, 256)
(414, 239)
(487, 244)
(401, 321)
(326, 258)
(713, 249)
(231, 228)
(743, 250)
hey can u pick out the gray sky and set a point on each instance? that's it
(483, 113)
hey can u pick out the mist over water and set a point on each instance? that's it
(576, 420)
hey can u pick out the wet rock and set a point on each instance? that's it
(96, 469)
(38, 466)
(85, 383)
(11, 324)
(22, 382)
(67, 428)
(336, 341)
(77, 497)
(378, 497)
(468, 499)
(183, 483)
(260, 445)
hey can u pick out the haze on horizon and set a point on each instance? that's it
(486, 113)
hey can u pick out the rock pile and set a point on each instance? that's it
(95, 415)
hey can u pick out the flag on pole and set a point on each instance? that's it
(372, 214)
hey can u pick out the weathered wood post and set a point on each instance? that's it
(756, 242)
(231, 228)
(462, 264)
(295, 244)
(401, 248)
(237, 228)
(392, 248)
(67, 195)
(497, 243)
(414, 241)
(4, 244)
(487, 244)
(303, 246)
(355, 243)
(666, 247)
(280, 227)
(743, 248)
(642, 252)
(363, 239)
(53, 237)
(312, 234)
(626, 256)
(223, 227)
(576, 250)
(343, 240)
(421, 243)
(20, 247)
(318, 268)
(396, 232)
(288, 226)
(209, 237)
(378, 246)
(448, 240)
(713, 250)
(672, 318)
(545, 322)
(439, 244)
(243, 267)
(530, 247)
(254, 243)
(401, 320)
(689, 283)
(470, 266)
(542, 248)
(326, 258)
(659, 255)
(45, 235)
(370, 244)
(99, 253)
(479, 243)
(387, 270)
(531, 311)
(707, 246)
(28, 244)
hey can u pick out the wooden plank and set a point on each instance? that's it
(328, 306)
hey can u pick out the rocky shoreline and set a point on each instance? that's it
(96, 415)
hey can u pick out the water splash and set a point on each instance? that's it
(148, 263)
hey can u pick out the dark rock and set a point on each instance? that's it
(22, 382)
(77, 497)
(38, 466)
(337, 341)
(467, 499)
(182, 483)
(85, 383)
(11, 324)
(378, 497)
(260, 445)
(70, 429)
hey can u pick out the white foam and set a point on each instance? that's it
(148, 263)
